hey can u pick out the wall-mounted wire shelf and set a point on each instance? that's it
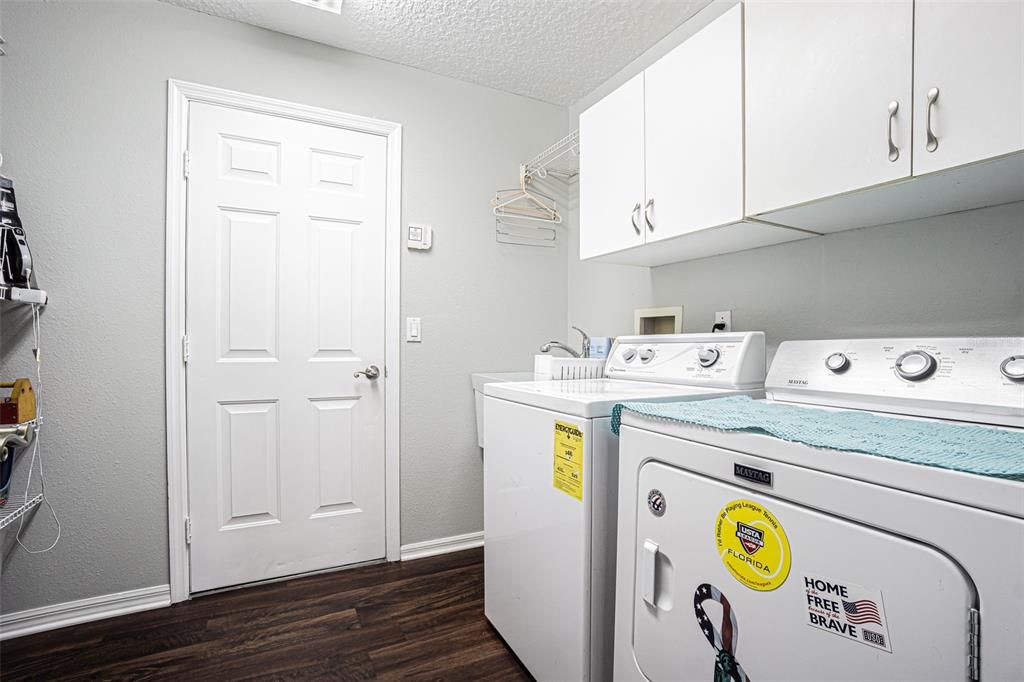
(18, 506)
(561, 160)
(22, 295)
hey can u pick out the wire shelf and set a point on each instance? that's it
(18, 506)
(560, 160)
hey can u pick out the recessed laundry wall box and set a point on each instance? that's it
(661, 158)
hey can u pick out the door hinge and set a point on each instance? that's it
(186, 349)
(188, 530)
(974, 644)
(186, 163)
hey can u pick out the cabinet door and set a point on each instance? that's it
(694, 132)
(971, 54)
(612, 171)
(820, 79)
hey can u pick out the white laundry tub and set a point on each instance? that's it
(482, 378)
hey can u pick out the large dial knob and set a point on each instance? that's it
(707, 357)
(1013, 368)
(915, 365)
(837, 363)
(629, 354)
(646, 355)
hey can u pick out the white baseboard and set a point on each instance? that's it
(83, 610)
(455, 543)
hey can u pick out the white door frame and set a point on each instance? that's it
(180, 95)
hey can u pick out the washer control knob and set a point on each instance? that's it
(629, 354)
(707, 357)
(915, 365)
(837, 363)
(646, 355)
(1013, 368)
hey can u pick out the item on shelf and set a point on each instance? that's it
(15, 257)
(12, 438)
(20, 406)
(6, 469)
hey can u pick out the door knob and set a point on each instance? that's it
(371, 372)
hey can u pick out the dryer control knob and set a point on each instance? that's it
(707, 357)
(915, 365)
(646, 355)
(1013, 368)
(837, 363)
(629, 354)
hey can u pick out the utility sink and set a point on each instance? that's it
(482, 378)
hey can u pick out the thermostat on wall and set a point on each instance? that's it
(420, 236)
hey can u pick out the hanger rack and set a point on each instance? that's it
(510, 231)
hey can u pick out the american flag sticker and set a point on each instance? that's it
(848, 610)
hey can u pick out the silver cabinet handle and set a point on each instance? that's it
(636, 209)
(647, 214)
(933, 142)
(894, 151)
(371, 372)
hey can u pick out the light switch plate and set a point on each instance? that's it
(412, 330)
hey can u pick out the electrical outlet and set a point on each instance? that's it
(724, 317)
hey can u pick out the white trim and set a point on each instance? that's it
(392, 345)
(68, 613)
(179, 95)
(455, 543)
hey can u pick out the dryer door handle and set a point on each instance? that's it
(648, 571)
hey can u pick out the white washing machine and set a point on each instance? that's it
(550, 472)
(791, 539)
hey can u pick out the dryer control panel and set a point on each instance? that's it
(723, 360)
(970, 379)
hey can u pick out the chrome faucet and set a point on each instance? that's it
(585, 343)
(546, 348)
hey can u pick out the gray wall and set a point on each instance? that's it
(965, 279)
(84, 107)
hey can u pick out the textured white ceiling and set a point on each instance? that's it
(552, 50)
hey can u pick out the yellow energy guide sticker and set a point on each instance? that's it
(753, 545)
(568, 460)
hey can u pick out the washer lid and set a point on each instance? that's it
(597, 397)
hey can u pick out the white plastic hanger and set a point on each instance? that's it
(525, 203)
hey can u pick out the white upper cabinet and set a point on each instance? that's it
(612, 171)
(668, 145)
(968, 82)
(828, 98)
(694, 132)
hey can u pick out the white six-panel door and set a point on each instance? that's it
(285, 300)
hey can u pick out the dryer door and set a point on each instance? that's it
(729, 578)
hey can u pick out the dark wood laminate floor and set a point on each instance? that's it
(421, 619)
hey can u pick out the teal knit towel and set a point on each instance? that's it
(960, 447)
